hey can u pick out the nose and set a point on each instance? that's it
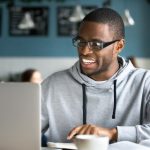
(86, 50)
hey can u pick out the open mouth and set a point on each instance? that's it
(88, 63)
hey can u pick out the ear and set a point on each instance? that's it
(119, 46)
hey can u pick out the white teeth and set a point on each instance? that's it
(88, 61)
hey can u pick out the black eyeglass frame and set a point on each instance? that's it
(101, 46)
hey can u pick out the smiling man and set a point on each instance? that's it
(102, 93)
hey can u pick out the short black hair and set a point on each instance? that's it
(27, 75)
(110, 17)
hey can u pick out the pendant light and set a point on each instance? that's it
(27, 22)
(127, 18)
(77, 14)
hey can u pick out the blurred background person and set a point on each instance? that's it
(133, 60)
(31, 75)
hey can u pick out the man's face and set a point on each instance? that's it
(96, 63)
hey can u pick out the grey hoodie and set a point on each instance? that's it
(69, 99)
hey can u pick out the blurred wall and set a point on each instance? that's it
(11, 67)
(52, 53)
(137, 36)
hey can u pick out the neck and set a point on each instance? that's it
(108, 73)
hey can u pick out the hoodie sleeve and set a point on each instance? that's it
(44, 116)
(139, 132)
(133, 133)
(44, 111)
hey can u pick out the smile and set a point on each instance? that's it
(88, 61)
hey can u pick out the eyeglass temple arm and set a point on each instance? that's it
(109, 43)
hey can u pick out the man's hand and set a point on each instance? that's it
(92, 129)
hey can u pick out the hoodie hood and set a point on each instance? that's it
(126, 68)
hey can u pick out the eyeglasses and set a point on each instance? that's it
(93, 45)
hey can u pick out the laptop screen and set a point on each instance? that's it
(19, 116)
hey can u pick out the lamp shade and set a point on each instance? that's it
(127, 18)
(77, 14)
(27, 22)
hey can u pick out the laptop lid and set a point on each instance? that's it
(20, 116)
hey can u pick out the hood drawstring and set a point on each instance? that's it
(115, 100)
(84, 104)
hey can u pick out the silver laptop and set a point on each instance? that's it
(19, 116)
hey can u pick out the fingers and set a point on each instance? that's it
(88, 129)
(92, 129)
(73, 132)
(84, 129)
(78, 130)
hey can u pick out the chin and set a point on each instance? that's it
(88, 73)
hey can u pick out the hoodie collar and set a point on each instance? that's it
(126, 67)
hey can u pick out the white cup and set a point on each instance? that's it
(91, 142)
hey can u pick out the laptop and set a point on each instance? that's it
(20, 116)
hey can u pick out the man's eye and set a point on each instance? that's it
(81, 43)
(96, 44)
(78, 41)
